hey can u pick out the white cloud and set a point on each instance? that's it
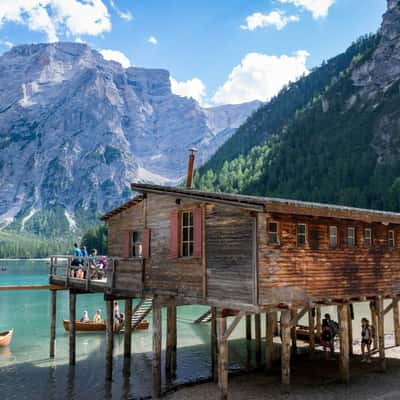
(126, 15)
(152, 40)
(7, 43)
(54, 17)
(193, 88)
(260, 77)
(116, 55)
(274, 18)
(318, 8)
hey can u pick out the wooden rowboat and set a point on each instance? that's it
(5, 338)
(91, 326)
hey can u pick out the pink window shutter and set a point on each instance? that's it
(146, 242)
(126, 244)
(197, 237)
(174, 235)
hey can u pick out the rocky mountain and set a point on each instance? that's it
(333, 136)
(76, 129)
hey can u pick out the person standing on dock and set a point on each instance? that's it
(366, 340)
(333, 328)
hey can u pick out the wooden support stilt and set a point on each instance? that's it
(286, 339)
(396, 321)
(319, 322)
(381, 333)
(374, 323)
(157, 341)
(222, 356)
(128, 329)
(214, 345)
(350, 328)
(248, 327)
(109, 338)
(275, 322)
(311, 329)
(293, 335)
(269, 340)
(72, 331)
(344, 366)
(170, 354)
(257, 329)
(53, 311)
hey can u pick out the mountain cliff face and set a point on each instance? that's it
(335, 136)
(76, 129)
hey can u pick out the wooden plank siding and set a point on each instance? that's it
(229, 254)
(289, 273)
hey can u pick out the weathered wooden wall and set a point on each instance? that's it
(128, 220)
(290, 273)
(229, 254)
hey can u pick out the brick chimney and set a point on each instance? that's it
(190, 171)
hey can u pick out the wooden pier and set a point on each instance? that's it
(243, 257)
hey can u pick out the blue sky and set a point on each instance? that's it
(220, 51)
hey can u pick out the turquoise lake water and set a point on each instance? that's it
(27, 373)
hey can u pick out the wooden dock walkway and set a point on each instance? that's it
(32, 287)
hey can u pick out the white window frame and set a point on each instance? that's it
(302, 234)
(391, 239)
(351, 237)
(333, 235)
(367, 237)
(269, 232)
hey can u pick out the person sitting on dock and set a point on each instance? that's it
(97, 317)
(85, 317)
(366, 340)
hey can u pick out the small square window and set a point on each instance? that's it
(301, 234)
(333, 239)
(273, 235)
(391, 239)
(351, 237)
(367, 237)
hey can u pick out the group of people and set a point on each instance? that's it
(330, 329)
(97, 265)
(96, 318)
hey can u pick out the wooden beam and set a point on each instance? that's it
(350, 328)
(318, 317)
(286, 336)
(233, 324)
(222, 356)
(170, 353)
(388, 308)
(374, 323)
(157, 340)
(297, 316)
(109, 338)
(257, 329)
(269, 340)
(293, 317)
(53, 316)
(311, 329)
(72, 325)
(344, 366)
(381, 333)
(214, 345)
(248, 327)
(128, 329)
(396, 321)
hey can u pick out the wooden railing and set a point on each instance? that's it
(121, 276)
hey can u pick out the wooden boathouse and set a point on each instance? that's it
(243, 256)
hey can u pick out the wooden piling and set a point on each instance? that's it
(269, 340)
(157, 342)
(293, 334)
(53, 311)
(381, 333)
(344, 365)
(257, 329)
(311, 329)
(350, 328)
(286, 339)
(109, 338)
(319, 322)
(214, 345)
(128, 329)
(72, 330)
(374, 323)
(248, 327)
(170, 354)
(396, 321)
(222, 356)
